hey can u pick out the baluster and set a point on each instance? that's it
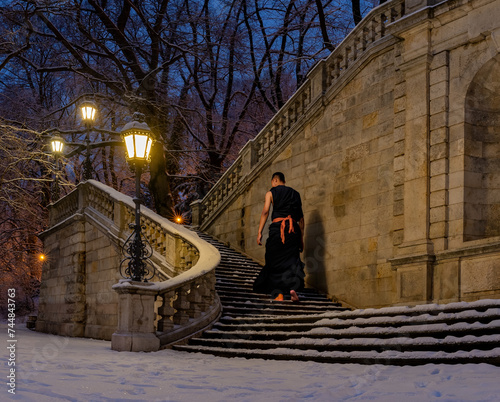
(181, 305)
(207, 290)
(373, 32)
(205, 294)
(195, 300)
(305, 99)
(182, 259)
(166, 311)
(355, 48)
(266, 143)
(347, 51)
(272, 139)
(364, 38)
(285, 123)
(383, 20)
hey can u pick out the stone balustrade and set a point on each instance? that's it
(182, 301)
(325, 76)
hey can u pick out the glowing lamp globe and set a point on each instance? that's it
(138, 139)
(57, 144)
(89, 110)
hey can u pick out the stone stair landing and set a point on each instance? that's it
(316, 329)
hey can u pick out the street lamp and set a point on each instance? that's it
(138, 140)
(89, 111)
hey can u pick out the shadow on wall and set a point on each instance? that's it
(315, 252)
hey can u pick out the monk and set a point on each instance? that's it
(283, 273)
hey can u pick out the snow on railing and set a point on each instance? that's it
(188, 301)
(323, 77)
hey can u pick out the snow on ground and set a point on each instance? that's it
(54, 368)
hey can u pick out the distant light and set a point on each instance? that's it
(42, 257)
(179, 219)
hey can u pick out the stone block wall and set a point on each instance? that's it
(397, 166)
(102, 263)
(76, 297)
(62, 308)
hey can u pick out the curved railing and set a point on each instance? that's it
(326, 75)
(184, 292)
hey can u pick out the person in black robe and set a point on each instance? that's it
(283, 272)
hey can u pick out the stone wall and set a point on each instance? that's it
(87, 230)
(396, 163)
(76, 295)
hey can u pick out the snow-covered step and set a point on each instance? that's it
(285, 305)
(316, 329)
(448, 344)
(392, 357)
(440, 330)
(365, 322)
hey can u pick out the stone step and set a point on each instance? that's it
(284, 305)
(360, 357)
(236, 291)
(271, 310)
(316, 329)
(235, 279)
(438, 330)
(237, 298)
(401, 344)
(468, 317)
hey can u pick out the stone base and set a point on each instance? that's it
(134, 342)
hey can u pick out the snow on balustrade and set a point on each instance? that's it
(369, 31)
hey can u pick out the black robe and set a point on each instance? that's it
(284, 270)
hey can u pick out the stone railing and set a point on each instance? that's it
(326, 75)
(185, 297)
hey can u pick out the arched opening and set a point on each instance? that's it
(482, 154)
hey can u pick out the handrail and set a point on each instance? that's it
(188, 299)
(322, 78)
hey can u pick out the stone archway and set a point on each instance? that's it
(482, 154)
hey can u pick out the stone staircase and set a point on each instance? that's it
(316, 329)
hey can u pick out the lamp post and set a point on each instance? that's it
(88, 109)
(138, 140)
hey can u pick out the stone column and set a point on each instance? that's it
(414, 259)
(136, 318)
(196, 213)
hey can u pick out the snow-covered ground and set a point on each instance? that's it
(53, 368)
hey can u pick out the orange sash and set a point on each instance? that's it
(283, 225)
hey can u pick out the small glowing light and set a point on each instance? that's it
(42, 257)
(179, 219)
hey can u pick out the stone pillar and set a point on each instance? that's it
(249, 155)
(415, 256)
(136, 318)
(196, 213)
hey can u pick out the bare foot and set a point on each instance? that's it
(294, 296)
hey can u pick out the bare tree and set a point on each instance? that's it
(208, 75)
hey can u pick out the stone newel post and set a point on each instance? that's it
(136, 317)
